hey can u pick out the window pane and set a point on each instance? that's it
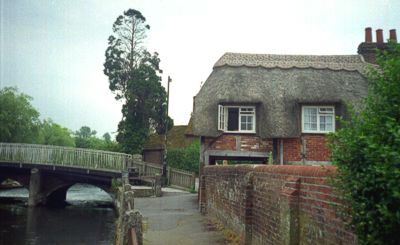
(250, 126)
(247, 110)
(246, 122)
(233, 119)
(326, 123)
(310, 119)
(322, 123)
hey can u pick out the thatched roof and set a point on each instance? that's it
(331, 62)
(278, 85)
(176, 138)
(189, 129)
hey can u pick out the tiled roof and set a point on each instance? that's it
(332, 62)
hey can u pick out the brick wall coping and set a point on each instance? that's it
(297, 170)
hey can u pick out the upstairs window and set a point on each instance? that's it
(240, 119)
(318, 119)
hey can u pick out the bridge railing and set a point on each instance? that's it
(64, 156)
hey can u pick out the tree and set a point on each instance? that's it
(367, 154)
(134, 77)
(124, 50)
(83, 137)
(19, 120)
(107, 137)
(53, 134)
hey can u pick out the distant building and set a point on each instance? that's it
(254, 105)
(177, 137)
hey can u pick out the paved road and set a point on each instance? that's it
(174, 220)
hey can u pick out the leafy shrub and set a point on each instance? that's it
(186, 158)
(367, 154)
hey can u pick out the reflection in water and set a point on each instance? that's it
(88, 220)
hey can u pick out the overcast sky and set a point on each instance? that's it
(54, 50)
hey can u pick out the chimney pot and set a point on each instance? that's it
(379, 36)
(392, 35)
(368, 35)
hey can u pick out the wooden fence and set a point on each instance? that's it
(181, 178)
(64, 156)
(147, 169)
(176, 177)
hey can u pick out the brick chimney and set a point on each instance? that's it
(393, 36)
(368, 48)
(379, 36)
(368, 35)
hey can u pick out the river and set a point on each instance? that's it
(88, 219)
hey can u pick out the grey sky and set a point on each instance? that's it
(54, 50)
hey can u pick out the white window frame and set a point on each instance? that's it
(223, 118)
(319, 113)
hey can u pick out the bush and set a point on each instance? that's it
(186, 158)
(367, 154)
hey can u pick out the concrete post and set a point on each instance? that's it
(35, 186)
(202, 195)
(125, 177)
(169, 172)
(157, 186)
(290, 213)
(132, 228)
(248, 212)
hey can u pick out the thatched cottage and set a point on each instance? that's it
(253, 106)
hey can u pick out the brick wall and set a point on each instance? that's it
(316, 147)
(274, 204)
(239, 143)
(292, 150)
(313, 147)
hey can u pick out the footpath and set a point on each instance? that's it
(174, 219)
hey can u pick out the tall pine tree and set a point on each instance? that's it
(134, 77)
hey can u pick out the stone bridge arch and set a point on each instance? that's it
(58, 194)
(51, 189)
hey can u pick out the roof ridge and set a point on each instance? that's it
(333, 62)
(262, 54)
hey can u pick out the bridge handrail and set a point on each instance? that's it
(64, 156)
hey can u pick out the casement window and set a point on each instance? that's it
(318, 119)
(241, 119)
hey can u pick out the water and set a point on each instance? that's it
(89, 219)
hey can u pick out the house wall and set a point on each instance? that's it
(309, 148)
(312, 148)
(239, 143)
(267, 204)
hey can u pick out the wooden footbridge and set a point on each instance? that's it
(48, 171)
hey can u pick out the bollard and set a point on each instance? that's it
(157, 186)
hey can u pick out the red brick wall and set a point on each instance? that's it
(275, 204)
(292, 150)
(314, 148)
(246, 143)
